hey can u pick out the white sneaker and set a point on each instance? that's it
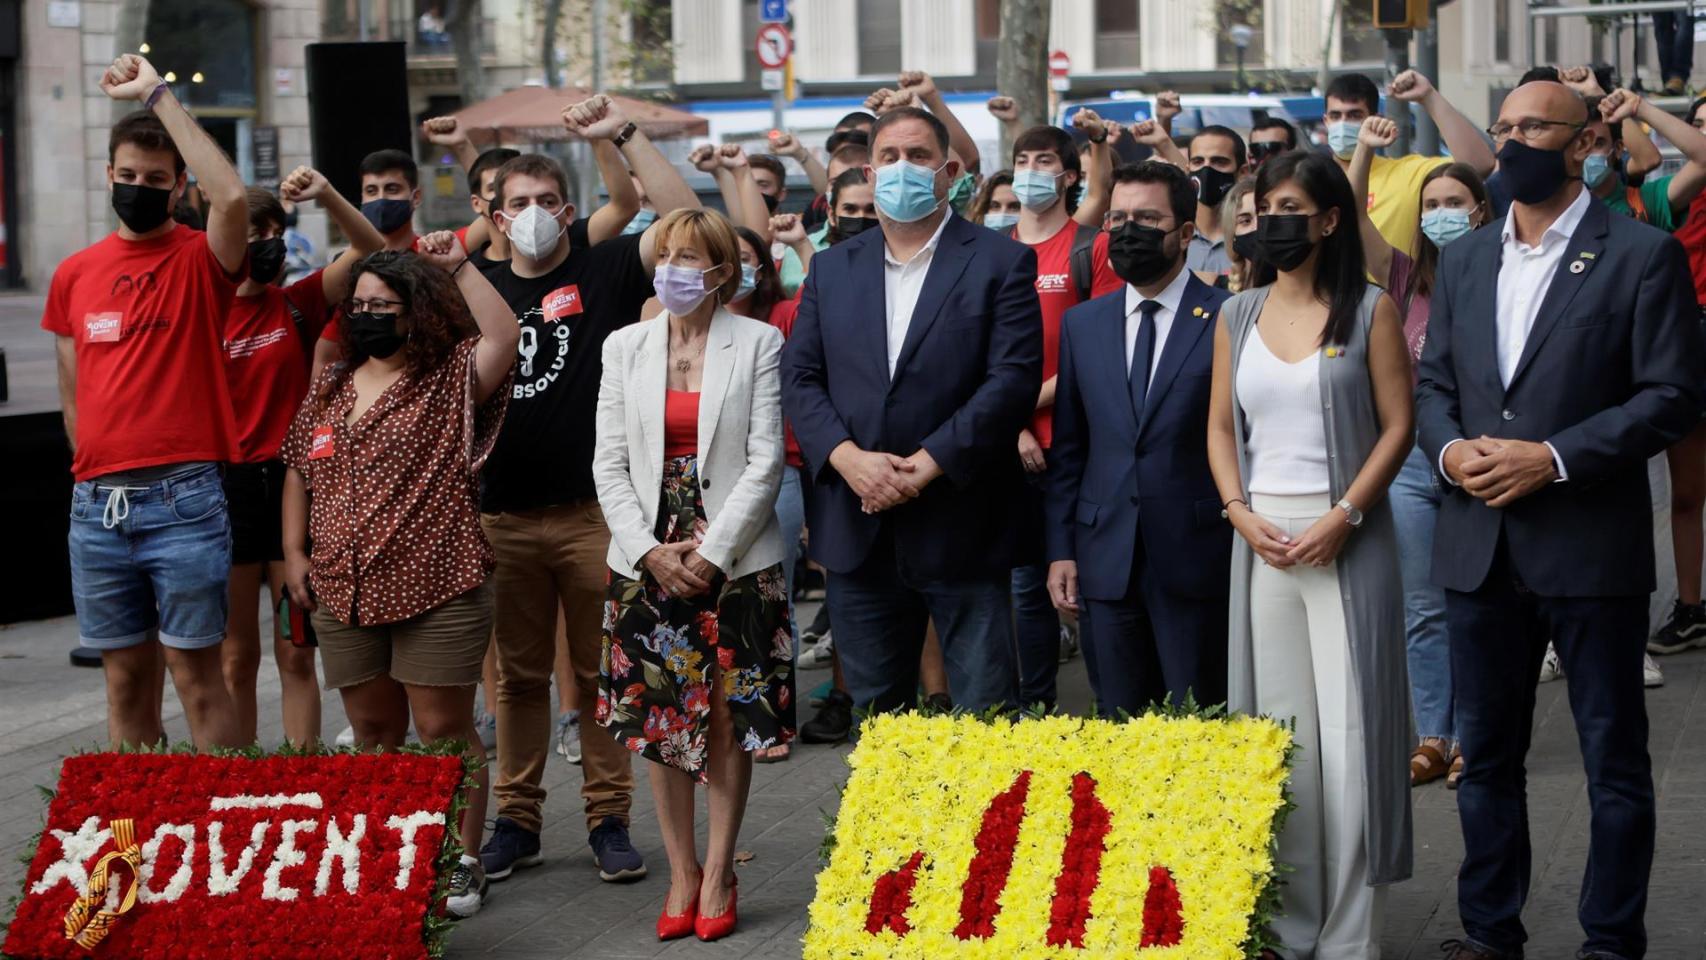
(1068, 642)
(1651, 675)
(486, 725)
(346, 737)
(467, 890)
(820, 655)
(1551, 668)
(569, 737)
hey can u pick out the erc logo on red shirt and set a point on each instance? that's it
(1053, 282)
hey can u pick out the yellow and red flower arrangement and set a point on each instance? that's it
(1055, 838)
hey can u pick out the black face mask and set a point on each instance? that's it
(388, 215)
(141, 208)
(1261, 153)
(1534, 175)
(770, 202)
(266, 259)
(1247, 246)
(1212, 185)
(373, 334)
(846, 227)
(1284, 240)
(290, 220)
(1139, 254)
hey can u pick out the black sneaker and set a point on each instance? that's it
(833, 722)
(467, 891)
(510, 846)
(618, 861)
(1686, 628)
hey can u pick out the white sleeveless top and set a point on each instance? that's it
(1287, 445)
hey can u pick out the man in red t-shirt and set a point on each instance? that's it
(270, 333)
(1046, 176)
(138, 317)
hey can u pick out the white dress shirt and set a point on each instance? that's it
(902, 283)
(1525, 276)
(1169, 298)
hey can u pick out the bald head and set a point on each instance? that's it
(1545, 99)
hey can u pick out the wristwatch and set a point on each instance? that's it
(1353, 516)
(624, 135)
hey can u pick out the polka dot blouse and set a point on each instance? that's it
(394, 497)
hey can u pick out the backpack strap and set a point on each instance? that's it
(1082, 263)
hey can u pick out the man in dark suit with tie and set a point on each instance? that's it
(1563, 351)
(1136, 541)
(915, 360)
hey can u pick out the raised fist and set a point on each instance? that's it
(443, 131)
(1090, 122)
(704, 158)
(1410, 87)
(596, 118)
(878, 99)
(732, 156)
(787, 228)
(1581, 80)
(1377, 132)
(1112, 130)
(130, 78)
(1619, 105)
(441, 249)
(303, 183)
(1150, 133)
(784, 144)
(1005, 109)
(917, 81)
(1167, 107)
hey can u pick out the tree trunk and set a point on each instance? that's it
(1021, 63)
(548, 41)
(463, 25)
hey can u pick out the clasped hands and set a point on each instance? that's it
(1500, 472)
(679, 569)
(883, 480)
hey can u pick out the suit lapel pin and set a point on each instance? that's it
(1197, 312)
(1578, 266)
(1332, 352)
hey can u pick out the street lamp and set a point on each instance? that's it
(1242, 34)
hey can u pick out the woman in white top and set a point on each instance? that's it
(698, 658)
(1309, 420)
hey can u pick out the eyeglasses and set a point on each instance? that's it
(353, 305)
(1529, 128)
(1115, 219)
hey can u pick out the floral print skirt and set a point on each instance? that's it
(654, 690)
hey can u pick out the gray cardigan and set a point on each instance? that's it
(1368, 580)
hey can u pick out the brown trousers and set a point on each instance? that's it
(551, 558)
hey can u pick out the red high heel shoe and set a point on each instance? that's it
(678, 925)
(716, 928)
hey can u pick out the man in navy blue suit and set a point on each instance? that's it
(1136, 541)
(1563, 351)
(915, 360)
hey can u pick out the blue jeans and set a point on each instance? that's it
(1415, 496)
(879, 615)
(151, 557)
(1036, 627)
(1673, 34)
(791, 516)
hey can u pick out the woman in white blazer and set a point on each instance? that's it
(698, 661)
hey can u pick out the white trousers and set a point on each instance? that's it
(1303, 670)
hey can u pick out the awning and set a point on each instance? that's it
(535, 115)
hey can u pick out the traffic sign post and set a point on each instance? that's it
(775, 49)
(1059, 71)
(773, 11)
(774, 46)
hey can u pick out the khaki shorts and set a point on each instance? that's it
(443, 647)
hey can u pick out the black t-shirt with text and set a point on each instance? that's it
(544, 452)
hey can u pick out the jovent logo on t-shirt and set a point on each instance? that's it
(561, 302)
(102, 327)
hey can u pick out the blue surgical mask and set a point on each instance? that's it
(1342, 137)
(1445, 224)
(906, 192)
(1594, 169)
(1036, 190)
(1001, 221)
(641, 221)
(748, 281)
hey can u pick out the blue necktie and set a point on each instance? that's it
(1142, 354)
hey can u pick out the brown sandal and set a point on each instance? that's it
(1427, 764)
(1456, 773)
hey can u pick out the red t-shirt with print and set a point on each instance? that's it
(1056, 292)
(1692, 234)
(267, 355)
(782, 318)
(147, 317)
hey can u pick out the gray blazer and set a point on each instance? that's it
(1368, 580)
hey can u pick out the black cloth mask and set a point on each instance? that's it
(1534, 175)
(1284, 240)
(846, 227)
(266, 259)
(141, 208)
(770, 202)
(373, 334)
(1247, 246)
(388, 215)
(1139, 254)
(1212, 185)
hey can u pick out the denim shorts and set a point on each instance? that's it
(151, 557)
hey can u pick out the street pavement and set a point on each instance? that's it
(562, 910)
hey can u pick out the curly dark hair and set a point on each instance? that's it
(435, 317)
